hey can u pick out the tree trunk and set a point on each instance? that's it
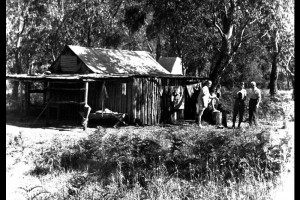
(274, 70)
(287, 80)
(158, 48)
(18, 70)
(274, 76)
(222, 62)
(89, 40)
(293, 83)
(17, 66)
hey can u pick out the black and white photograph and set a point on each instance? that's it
(150, 99)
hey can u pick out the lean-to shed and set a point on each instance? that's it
(122, 81)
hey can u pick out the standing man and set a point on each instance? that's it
(203, 100)
(255, 98)
(239, 104)
(218, 90)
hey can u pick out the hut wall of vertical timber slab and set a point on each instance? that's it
(138, 97)
(143, 99)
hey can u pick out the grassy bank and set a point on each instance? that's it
(172, 162)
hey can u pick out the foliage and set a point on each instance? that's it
(49, 159)
(232, 156)
(35, 192)
(166, 161)
(277, 35)
(228, 40)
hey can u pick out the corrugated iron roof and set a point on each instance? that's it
(110, 61)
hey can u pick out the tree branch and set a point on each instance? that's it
(229, 34)
(235, 48)
(264, 34)
(247, 38)
(219, 29)
(215, 21)
(148, 44)
(117, 9)
(225, 9)
(287, 65)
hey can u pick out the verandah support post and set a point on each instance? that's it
(87, 108)
(45, 92)
(22, 103)
(46, 100)
(27, 98)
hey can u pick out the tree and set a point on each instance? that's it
(278, 36)
(22, 21)
(213, 37)
(233, 20)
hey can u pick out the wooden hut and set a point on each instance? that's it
(117, 81)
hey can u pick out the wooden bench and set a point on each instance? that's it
(119, 117)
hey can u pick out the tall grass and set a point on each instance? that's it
(176, 164)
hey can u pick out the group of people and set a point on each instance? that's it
(211, 97)
(208, 101)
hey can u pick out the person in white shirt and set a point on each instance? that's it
(239, 104)
(203, 100)
(177, 100)
(255, 98)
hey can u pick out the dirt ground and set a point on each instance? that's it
(23, 143)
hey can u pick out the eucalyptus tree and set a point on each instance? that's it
(277, 35)
(26, 28)
(87, 23)
(231, 23)
(169, 17)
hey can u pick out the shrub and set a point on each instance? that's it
(223, 156)
(49, 159)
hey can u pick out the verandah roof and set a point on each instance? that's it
(84, 77)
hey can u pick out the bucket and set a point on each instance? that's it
(217, 117)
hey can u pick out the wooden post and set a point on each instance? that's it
(45, 93)
(21, 101)
(86, 92)
(129, 100)
(47, 98)
(159, 100)
(27, 97)
(87, 108)
(103, 96)
(134, 99)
